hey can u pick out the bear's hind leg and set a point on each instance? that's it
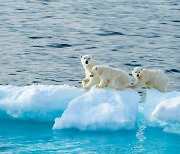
(121, 84)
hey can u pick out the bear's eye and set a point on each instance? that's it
(88, 58)
(84, 58)
(96, 68)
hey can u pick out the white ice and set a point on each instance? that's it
(163, 109)
(39, 102)
(97, 109)
(101, 109)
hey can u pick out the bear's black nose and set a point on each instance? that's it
(86, 62)
(137, 75)
(91, 75)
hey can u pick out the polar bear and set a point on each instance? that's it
(110, 77)
(151, 78)
(88, 63)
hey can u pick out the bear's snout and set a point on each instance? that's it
(86, 62)
(91, 75)
(137, 75)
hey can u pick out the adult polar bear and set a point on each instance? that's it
(88, 63)
(110, 77)
(151, 78)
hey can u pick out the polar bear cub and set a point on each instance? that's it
(88, 63)
(110, 77)
(151, 78)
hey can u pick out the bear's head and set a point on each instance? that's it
(87, 60)
(96, 70)
(137, 72)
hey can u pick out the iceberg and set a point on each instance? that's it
(37, 102)
(101, 109)
(163, 110)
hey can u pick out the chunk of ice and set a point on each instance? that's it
(101, 109)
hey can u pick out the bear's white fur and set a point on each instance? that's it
(88, 63)
(151, 78)
(111, 77)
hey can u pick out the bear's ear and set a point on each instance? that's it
(132, 69)
(81, 56)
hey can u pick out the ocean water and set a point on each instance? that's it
(41, 42)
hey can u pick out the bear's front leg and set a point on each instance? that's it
(103, 84)
(92, 81)
(138, 84)
(85, 82)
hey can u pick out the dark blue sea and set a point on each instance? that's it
(41, 42)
